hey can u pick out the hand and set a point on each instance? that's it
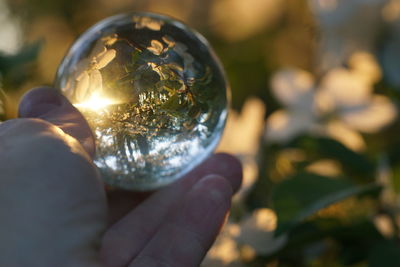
(55, 212)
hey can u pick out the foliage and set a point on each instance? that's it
(326, 171)
(14, 71)
(296, 199)
(14, 68)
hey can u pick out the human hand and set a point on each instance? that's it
(55, 212)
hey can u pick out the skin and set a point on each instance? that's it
(55, 211)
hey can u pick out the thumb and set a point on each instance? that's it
(47, 104)
(52, 202)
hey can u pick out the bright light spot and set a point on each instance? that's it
(233, 229)
(248, 253)
(327, 5)
(345, 135)
(265, 219)
(95, 102)
(325, 167)
(10, 30)
(225, 250)
(391, 11)
(384, 225)
(244, 18)
(111, 162)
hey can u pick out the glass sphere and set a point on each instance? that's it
(154, 94)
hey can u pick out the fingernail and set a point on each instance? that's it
(208, 196)
(39, 101)
(229, 167)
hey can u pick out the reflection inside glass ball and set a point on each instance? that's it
(153, 93)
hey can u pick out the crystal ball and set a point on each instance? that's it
(154, 94)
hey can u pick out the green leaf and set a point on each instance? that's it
(354, 164)
(354, 241)
(26, 55)
(172, 104)
(14, 69)
(385, 254)
(395, 179)
(304, 194)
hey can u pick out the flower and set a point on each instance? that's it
(225, 251)
(325, 167)
(340, 107)
(384, 225)
(257, 231)
(346, 25)
(242, 137)
(294, 89)
(146, 22)
(246, 127)
(91, 80)
(389, 49)
(156, 47)
(10, 30)
(253, 235)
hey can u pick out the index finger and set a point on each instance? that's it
(48, 104)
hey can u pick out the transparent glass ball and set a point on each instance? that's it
(154, 94)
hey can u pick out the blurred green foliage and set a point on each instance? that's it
(15, 69)
(327, 220)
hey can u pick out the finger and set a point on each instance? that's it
(222, 164)
(47, 104)
(124, 240)
(189, 231)
(47, 183)
(122, 202)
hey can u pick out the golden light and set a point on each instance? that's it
(95, 102)
(327, 5)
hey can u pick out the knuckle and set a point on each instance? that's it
(35, 137)
(27, 126)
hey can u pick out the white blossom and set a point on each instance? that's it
(340, 106)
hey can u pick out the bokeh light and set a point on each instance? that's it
(314, 116)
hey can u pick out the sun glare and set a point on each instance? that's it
(95, 102)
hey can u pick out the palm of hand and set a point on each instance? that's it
(176, 225)
(172, 227)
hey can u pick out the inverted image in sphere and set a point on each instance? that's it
(153, 93)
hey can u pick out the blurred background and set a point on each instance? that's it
(314, 116)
